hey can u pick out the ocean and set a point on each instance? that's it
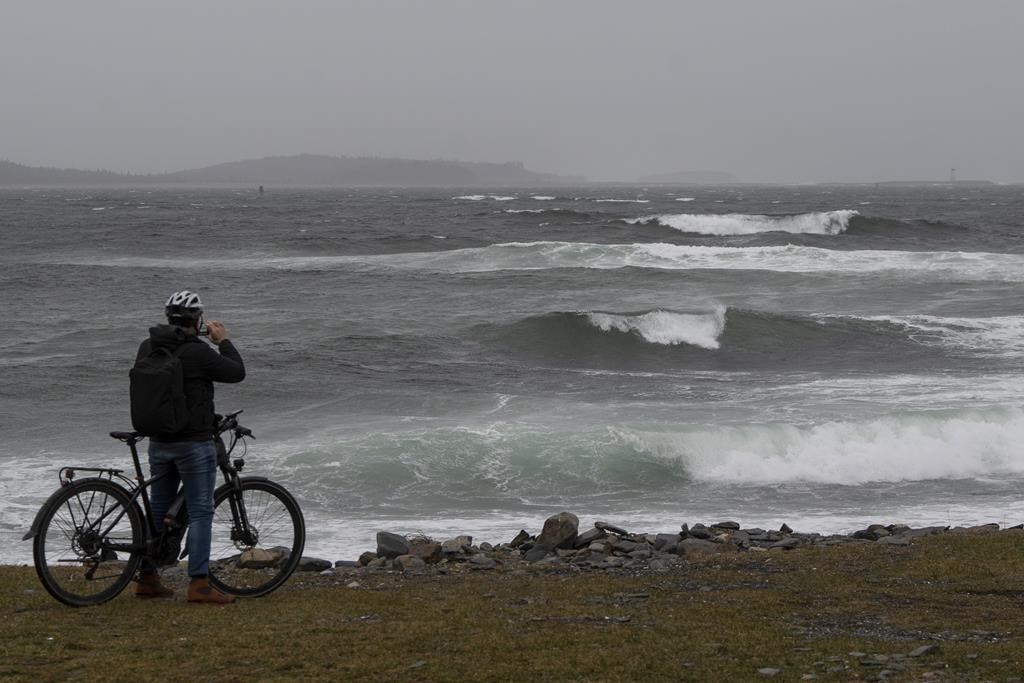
(454, 361)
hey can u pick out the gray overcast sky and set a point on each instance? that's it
(772, 91)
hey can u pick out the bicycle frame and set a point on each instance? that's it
(137, 490)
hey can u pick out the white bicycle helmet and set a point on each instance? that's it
(184, 307)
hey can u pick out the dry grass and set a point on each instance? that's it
(718, 619)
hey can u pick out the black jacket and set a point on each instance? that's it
(201, 366)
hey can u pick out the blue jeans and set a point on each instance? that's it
(194, 465)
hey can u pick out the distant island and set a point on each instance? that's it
(690, 178)
(304, 170)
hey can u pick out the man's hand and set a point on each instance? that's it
(218, 332)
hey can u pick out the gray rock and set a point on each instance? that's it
(865, 534)
(769, 671)
(662, 540)
(589, 536)
(548, 561)
(429, 552)
(641, 554)
(409, 563)
(610, 528)
(481, 561)
(728, 526)
(366, 558)
(559, 531)
(391, 545)
(597, 547)
(521, 537)
(700, 531)
(924, 650)
(787, 543)
(259, 558)
(457, 545)
(784, 529)
(535, 554)
(625, 546)
(348, 563)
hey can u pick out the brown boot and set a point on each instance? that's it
(148, 586)
(200, 590)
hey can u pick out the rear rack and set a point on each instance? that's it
(67, 474)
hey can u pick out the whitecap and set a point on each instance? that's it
(667, 327)
(820, 223)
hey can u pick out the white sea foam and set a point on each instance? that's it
(667, 327)
(623, 201)
(907, 447)
(525, 210)
(481, 197)
(999, 335)
(685, 199)
(817, 223)
(540, 255)
(542, 197)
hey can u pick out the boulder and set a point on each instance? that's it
(313, 564)
(457, 545)
(258, 558)
(663, 541)
(589, 536)
(366, 558)
(409, 563)
(727, 526)
(536, 553)
(391, 545)
(610, 528)
(559, 531)
(700, 531)
(429, 552)
(521, 538)
(481, 561)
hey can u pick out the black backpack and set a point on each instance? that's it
(158, 393)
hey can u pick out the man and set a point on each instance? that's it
(189, 456)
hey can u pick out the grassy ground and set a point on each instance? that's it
(838, 614)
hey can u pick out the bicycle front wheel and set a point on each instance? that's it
(258, 537)
(81, 551)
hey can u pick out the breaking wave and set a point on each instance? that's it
(666, 327)
(541, 255)
(818, 223)
(513, 464)
(734, 339)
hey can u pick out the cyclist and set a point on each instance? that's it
(190, 455)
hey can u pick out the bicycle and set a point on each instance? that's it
(91, 534)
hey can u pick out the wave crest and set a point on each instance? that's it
(667, 327)
(817, 223)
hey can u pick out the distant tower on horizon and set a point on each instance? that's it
(952, 176)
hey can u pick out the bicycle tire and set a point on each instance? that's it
(75, 524)
(255, 569)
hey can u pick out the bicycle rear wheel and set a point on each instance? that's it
(258, 563)
(73, 551)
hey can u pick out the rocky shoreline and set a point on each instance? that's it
(560, 546)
